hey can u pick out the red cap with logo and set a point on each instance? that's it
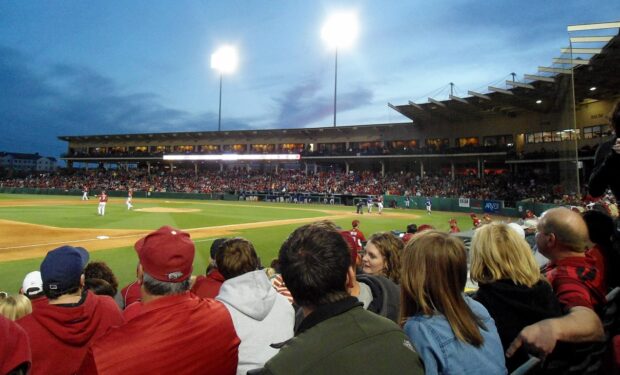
(167, 254)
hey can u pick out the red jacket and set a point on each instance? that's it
(208, 286)
(14, 346)
(59, 335)
(131, 293)
(180, 334)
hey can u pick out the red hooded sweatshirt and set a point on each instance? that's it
(60, 335)
(14, 347)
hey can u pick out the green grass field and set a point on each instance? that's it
(56, 212)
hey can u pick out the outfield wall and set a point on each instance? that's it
(477, 206)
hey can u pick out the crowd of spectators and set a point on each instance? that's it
(321, 308)
(499, 187)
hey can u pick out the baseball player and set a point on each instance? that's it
(369, 203)
(103, 200)
(380, 204)
(407, 200)
(429, 205)
(85, 193)
(129, 198)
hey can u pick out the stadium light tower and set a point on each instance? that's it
(339, 31)
(225, 61)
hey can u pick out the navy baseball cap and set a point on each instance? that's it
(62, 268)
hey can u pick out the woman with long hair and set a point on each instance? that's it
(382, 256)
(451, 332)
(511, 286)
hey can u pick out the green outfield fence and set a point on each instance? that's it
(513, 209)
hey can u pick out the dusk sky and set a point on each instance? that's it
(106, 67)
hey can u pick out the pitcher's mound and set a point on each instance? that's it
(167, 209)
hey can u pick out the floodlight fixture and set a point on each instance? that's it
(593, 88)
(539, 101)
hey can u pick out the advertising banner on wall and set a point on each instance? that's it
(463, 202)
(492, 206)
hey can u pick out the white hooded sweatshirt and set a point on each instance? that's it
(261, 317)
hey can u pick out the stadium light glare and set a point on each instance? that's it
(339, 31)
(234, 157)
(225, 60)
(538, 101)
(593, 88)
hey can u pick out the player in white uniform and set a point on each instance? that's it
(85, 193)
(129, 199)
(428, 205)
(370, 204)
(380, 204)
(103, 200)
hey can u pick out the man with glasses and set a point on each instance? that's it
(561, 237)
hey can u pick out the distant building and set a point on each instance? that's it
(27, 162)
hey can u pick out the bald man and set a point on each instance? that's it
(561, 236)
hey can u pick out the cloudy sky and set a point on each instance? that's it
(110, 66)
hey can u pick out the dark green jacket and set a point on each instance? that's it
(343, 338)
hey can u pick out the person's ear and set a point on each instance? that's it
(140, 274)
(350, 277)
(82, 281)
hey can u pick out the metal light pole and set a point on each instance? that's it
(224, 60)
(339, 31)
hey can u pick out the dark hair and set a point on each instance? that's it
(236, 257)
(100, 270)
(314, 261)
(600, 227)
(412, 228)
(614, 118)
(54, 294)
(100, 287)
(216, 246)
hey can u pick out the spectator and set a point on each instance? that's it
(411, 230)
(607, 161)
(32, 287)
(131, 293)
(510, 284)
(209, 286)
(15, 307)
(358, 236)
(601, 229)
(261, 315)
(61, 330)
(382, 256)
(172, 321)
(100, 270)
(452, 332)
(15, 356)
(575, 281)
(337, 336)
(100, 287)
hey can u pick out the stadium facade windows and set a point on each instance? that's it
(597, 131)
(437, 144)
(467, 141)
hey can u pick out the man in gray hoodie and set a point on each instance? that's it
(261, 315)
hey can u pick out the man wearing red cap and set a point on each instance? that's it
(176, 332)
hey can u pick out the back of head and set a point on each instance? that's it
(216, 246)
(614, 118)
(314, 261)
(15, 307)
(100, 270)
(62, 270)
(412, 228)
(236, 257)
(433, 280)
(499, 252)
(390, 248)
(601, 227)
(569, 228)
(100, 287)
(32, 286)
(166, 257)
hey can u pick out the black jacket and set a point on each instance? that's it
(606, 171)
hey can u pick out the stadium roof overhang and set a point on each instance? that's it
(592, 60)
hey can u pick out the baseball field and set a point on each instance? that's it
(31, 225)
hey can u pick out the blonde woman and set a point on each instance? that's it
(452, 333)
(382, 256)
(15, 307)
(511, 286)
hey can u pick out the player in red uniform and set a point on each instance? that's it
(103, 200)
(454, 227)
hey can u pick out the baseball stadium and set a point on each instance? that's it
(522, 150)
